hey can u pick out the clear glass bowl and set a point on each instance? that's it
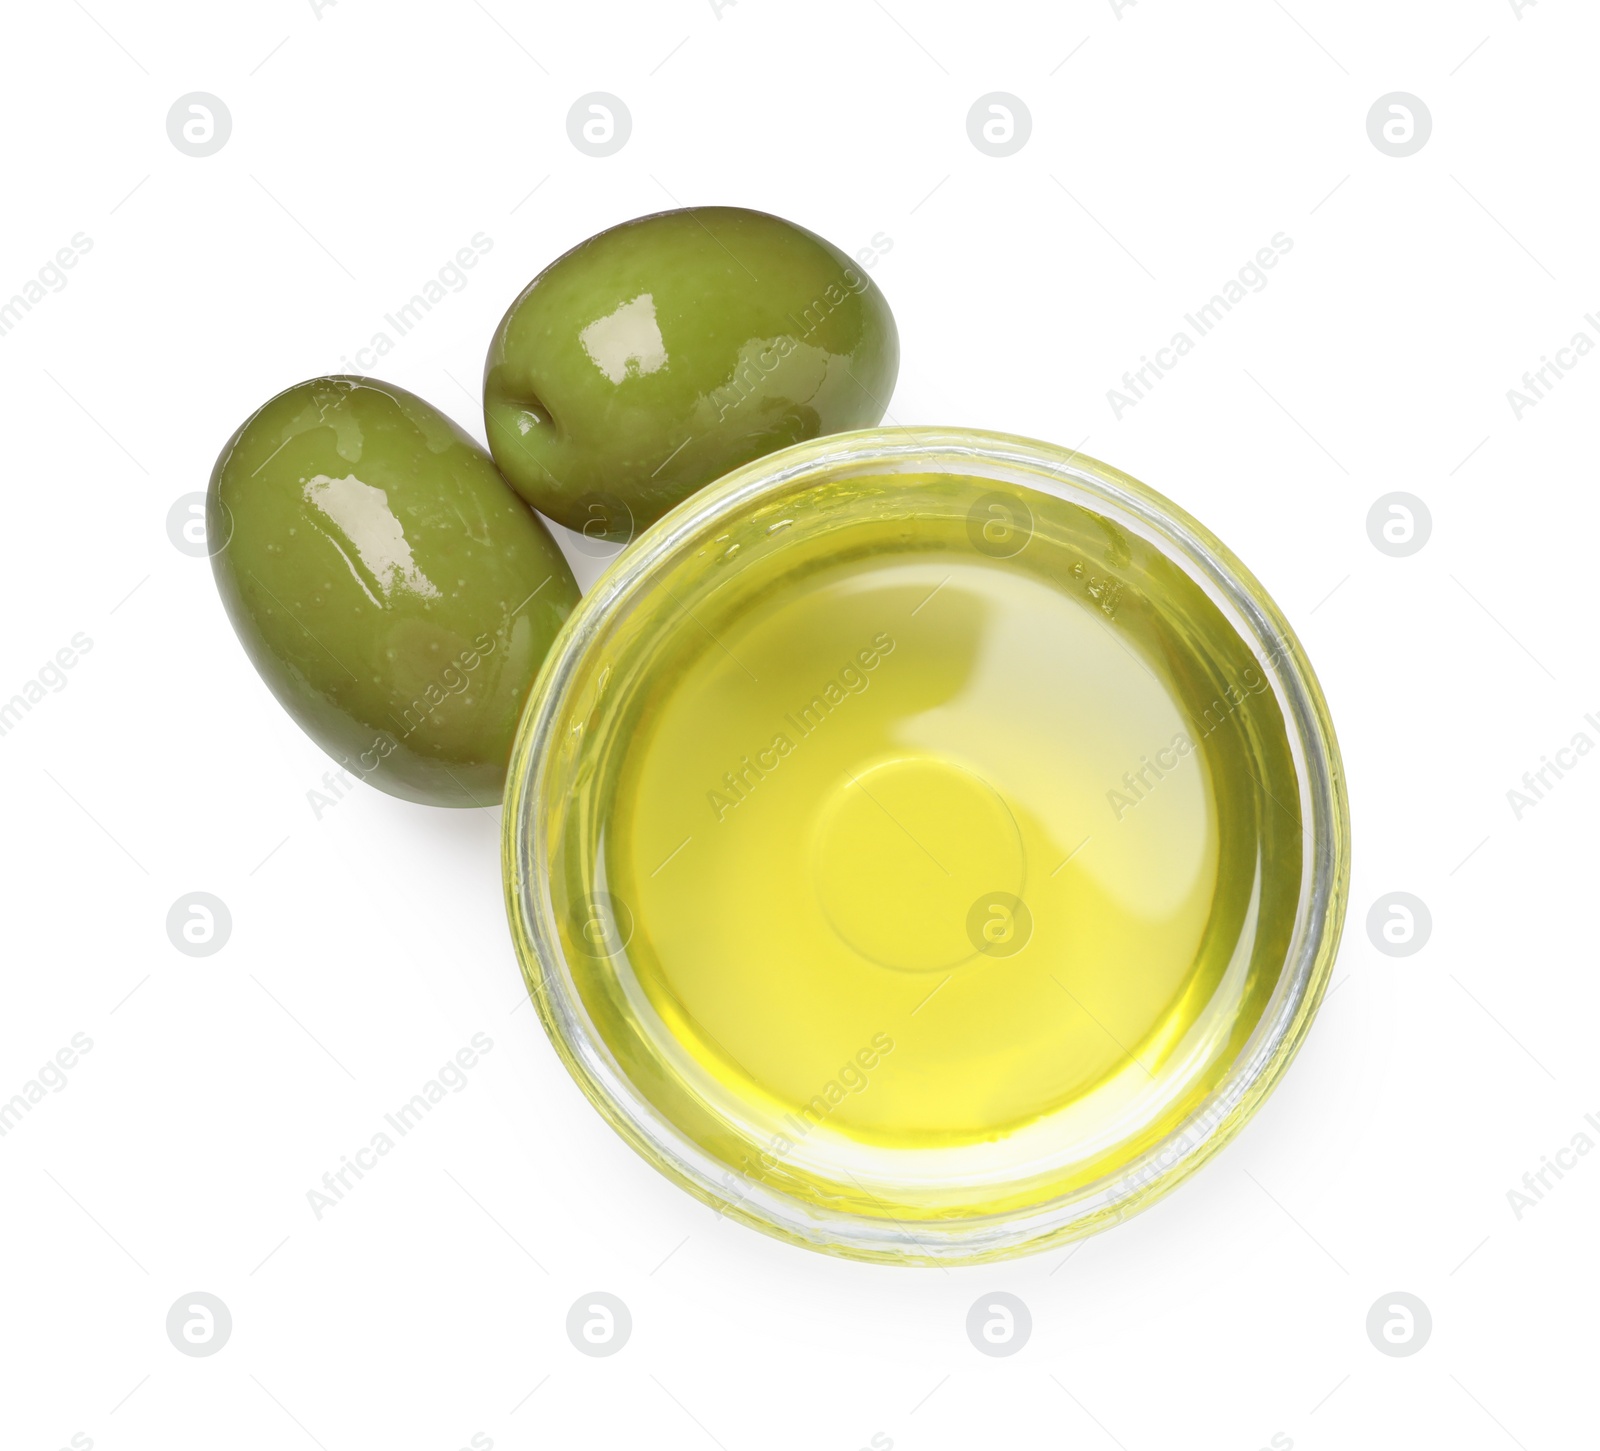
(942, 1222)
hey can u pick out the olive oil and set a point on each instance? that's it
(927, 861)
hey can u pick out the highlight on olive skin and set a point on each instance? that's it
(396, 596)
(662, 353)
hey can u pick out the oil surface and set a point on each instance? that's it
(936, 855)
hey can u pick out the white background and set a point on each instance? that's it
(1169, 143)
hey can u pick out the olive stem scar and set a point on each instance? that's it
(492, 420)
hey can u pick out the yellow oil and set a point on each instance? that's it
(920, 861)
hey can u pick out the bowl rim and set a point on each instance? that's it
(1253, 1073)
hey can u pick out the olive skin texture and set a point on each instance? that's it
(664, 352)
(395, 595)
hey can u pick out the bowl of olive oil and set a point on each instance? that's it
(926, 846)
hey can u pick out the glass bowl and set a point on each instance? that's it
(931, 1179)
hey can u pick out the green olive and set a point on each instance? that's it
(395, 595)
(658, 355)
